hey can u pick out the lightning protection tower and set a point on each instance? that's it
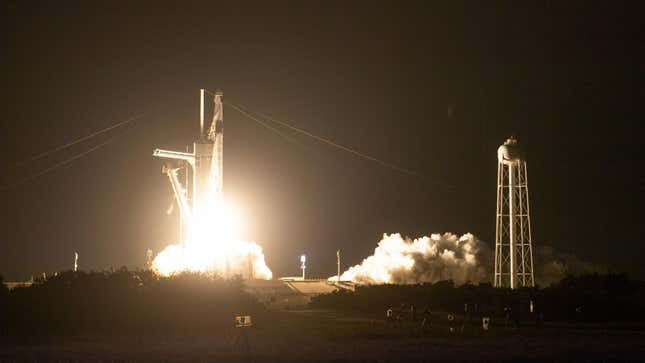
(513, 247)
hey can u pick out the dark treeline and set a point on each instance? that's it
(138, 301)
(122, 301)
(589, 298)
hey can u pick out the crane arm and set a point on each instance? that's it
(180, 194)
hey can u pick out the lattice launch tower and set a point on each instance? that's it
(513, 246)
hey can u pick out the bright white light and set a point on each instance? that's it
(212, 245)
(303, 258)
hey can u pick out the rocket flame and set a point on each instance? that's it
(427, 259)
(211, 246)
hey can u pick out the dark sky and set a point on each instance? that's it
(431, 88)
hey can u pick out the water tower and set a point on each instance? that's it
(513, 247)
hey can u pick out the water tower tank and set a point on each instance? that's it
(509, 151)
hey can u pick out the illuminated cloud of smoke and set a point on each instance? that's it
(225, 260)
(398, 260)
(428, 259)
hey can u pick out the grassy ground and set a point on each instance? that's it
(312, 336)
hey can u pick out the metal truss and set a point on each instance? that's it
(513, 247)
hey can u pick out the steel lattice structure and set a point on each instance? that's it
(513, 246)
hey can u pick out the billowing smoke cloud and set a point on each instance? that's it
(427, 259)
(224, 259)
(398, 260)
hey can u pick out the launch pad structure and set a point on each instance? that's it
(206, 162)
(202, 191)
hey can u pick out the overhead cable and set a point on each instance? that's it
(74, 142)
(64, 162)
(269, 127)
(401, 169)
(326, 141)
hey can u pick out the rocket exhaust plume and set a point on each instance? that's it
(398, 260)
(210, 244)
(211, 247)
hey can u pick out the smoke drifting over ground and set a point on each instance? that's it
(552, 267)
(398, 260)
(427, 259)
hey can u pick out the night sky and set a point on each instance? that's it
(435, 89)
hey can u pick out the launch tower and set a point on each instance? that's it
(513, 247)
(205, 162)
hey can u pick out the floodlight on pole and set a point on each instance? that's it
(303, 260)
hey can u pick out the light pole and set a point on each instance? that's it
(303, 259)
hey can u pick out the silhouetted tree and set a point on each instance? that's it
(73, 302)
(587, 298)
